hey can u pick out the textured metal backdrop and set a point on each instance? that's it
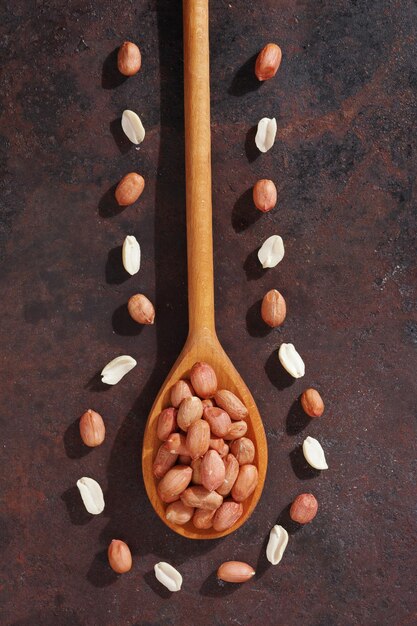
(345, 165)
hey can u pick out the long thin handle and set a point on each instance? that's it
(198, 165)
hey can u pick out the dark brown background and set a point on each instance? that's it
(345, 165)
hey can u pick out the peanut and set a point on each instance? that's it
(196, 465)
(304, 508)
(198, 438)
(120, 557)
(273, 309)
(189, 411)
(203, 518)
(177, 444)
(179, 513)
(167, 423)
(312, 403)
(174, 483)
(212, 470)
(268, 62)
(141, 309)
(264, 195)
(231, 404)
(237, 429)
(200, 498)
(231, 472)
(220, 446)
(244, 450)
(129, 59)
(235, 572)
(181, 390)
(227, 515)
(129, 189)
(92, 428)
(203, 379)
(164, 460)
(218, 420)
(246, 482)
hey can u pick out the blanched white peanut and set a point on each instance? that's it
(266, 133)
(168, 576)
(314, 453)
(131, 255)
(271, 252)
(278, 539)
(133, 127)
(291, 360)
(114, 371)
(91, 494)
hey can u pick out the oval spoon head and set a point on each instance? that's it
(204, 348)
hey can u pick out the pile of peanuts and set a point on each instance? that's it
(205, 463)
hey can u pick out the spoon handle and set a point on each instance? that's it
(198, 166)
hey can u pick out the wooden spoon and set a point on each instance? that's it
(202, 343)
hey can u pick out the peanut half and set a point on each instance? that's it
(278, 540)
(271, 252)
(266, 133)
(132, 127)
(314, 454)
(114, 371)
(291, 360)
(92, 495)
(168, 576)
(131, 255)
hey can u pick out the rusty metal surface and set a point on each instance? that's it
(345, 164)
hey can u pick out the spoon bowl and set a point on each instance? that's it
(205, 347)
